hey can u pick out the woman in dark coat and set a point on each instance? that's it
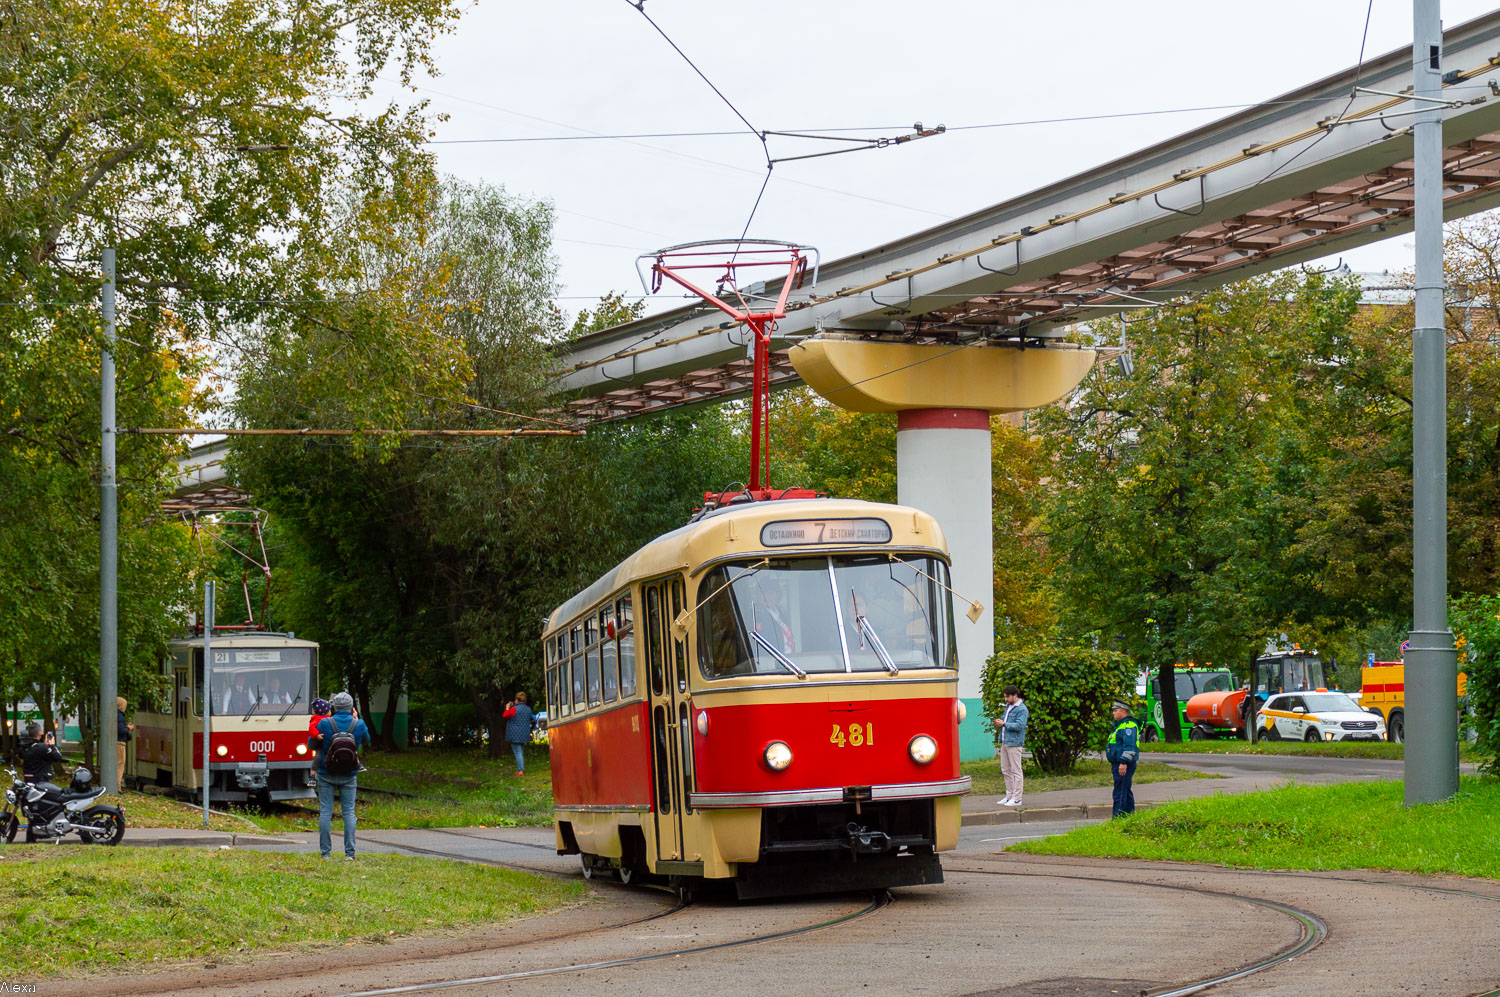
(519, 723)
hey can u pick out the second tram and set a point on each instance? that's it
(766, 695)
(262, 685)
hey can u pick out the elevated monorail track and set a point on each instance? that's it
(1311, 173)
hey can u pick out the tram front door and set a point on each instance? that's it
(182, 729)
(671, 745)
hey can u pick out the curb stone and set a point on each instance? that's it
(1092, 811)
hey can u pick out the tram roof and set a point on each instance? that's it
(245, 638)
(735, 530)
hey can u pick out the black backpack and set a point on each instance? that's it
(343, 751)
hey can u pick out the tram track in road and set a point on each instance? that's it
(878, 902)
(1313, 929)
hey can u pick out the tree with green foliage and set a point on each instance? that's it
(214, 147)
(1068, 691)
(1176, 483)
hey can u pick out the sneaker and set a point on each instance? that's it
(1006, 802)
(1016, 804)
(349, 858)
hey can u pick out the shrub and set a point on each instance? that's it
(1476, 625)
(1067, 690)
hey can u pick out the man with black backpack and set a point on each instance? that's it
(337, 740)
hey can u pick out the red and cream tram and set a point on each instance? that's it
(262, 684)
(766, 695)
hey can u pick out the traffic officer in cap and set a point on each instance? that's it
(1120, 751)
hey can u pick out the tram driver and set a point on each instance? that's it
(237, 699)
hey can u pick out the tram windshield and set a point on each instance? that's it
(262, 680)
(849, 613)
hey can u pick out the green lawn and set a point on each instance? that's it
(1356, 825)
(1086, 775)
(66, 910)
(429, 788)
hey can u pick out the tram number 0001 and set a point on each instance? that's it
(262, 747)
(858, 735)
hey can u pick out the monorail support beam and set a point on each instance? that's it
(944, 396)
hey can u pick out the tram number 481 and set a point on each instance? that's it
(858, 735)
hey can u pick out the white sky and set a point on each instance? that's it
(572, 67)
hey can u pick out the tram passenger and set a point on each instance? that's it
(337, 774)
(37, 757)
(520, 721)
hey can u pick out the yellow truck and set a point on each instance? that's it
(1383, 692)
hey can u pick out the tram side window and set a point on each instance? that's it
(653, 638)
(591, 629)
(580, 700)
(679, 646)
(626, 632)
(608, 661)
(559, 691)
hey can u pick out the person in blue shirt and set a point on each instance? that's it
(341, 782)
(520, 721)
(1012, 726)
(1120, 751)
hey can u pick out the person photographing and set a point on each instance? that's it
(39, 754)
(337, 740)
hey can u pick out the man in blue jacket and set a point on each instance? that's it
(342, 775)
(1012, 739)
(1120, 751)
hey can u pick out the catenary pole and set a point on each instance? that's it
(208, 671)
(1431, 757)
(108, 539)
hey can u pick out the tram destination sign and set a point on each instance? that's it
(806, 532)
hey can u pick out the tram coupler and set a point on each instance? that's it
(863, 841)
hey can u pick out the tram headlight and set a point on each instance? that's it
(923, 749)
(778, 756)
(961, 709)
(301, 749)
(221, 751)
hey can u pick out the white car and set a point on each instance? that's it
(1318, 716)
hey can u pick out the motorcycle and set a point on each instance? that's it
(51, 812)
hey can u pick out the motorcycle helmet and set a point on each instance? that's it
(81, 779)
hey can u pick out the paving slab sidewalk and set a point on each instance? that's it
(1096, 802)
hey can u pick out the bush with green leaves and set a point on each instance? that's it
(1068, 691)
(1476, 626)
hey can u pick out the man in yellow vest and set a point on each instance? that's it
(1120, 751)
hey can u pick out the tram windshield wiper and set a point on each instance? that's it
(780, 658)
(867, 632)
(295, 700)
(253, 703)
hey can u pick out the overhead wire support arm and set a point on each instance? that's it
(863, 144)
(204, 431)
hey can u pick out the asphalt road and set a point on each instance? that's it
(1000, 925)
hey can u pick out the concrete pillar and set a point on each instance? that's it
(943, 468)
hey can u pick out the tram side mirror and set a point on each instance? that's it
(975, 611)
(680, 625)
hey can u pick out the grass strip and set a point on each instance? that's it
(66, 909)
(1085, 775)
(1355, 825)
